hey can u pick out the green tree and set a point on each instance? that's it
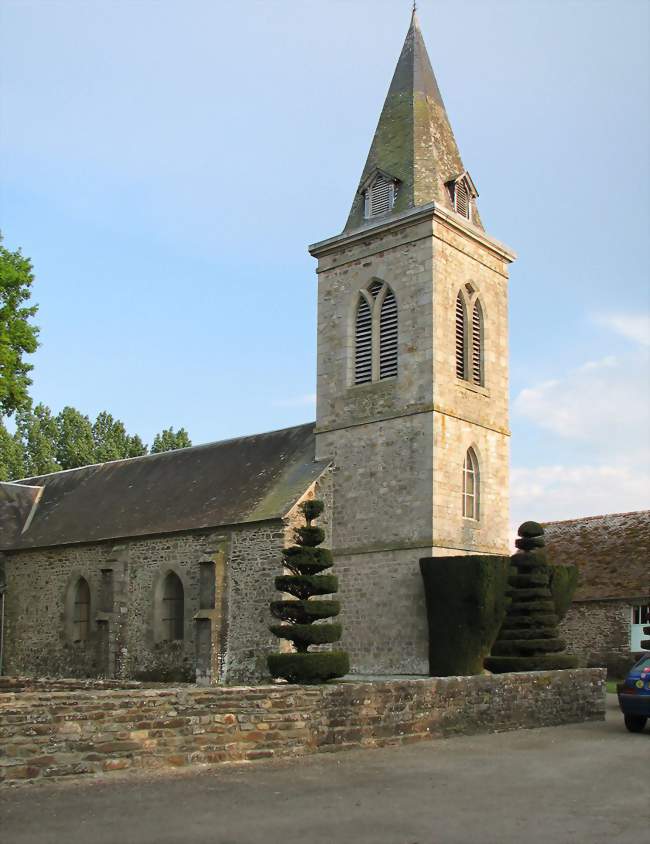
(170, 440)
(74, 444)
(12, 455)
(18, 337)
(111, 440)
(135, 446)
(37, 431)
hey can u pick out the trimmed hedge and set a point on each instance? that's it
(309, 668)
(306, 585)
(529, 580)
(465, 601)
(310, 536)
(306, 561)
(525, 634)
(542, 662)
(528, 594)
(303, 635)
(304, 612)
(530, 622)
(512, 648)
(524, 606)
(301, 560)
(563, 583)
(529, 543)
(529, 529)
(528, 639)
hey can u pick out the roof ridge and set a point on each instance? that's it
(19, 482)
(594, 518)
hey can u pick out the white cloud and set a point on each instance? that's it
(605, 403)
(604, 407)
(548, 493)
(635, 327)
(306, 400)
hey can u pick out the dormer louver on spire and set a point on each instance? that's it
(414, 148)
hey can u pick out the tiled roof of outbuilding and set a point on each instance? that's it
(612, 553)
(248, 479)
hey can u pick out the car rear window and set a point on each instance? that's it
(643, 663)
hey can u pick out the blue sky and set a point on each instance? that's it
(165, 165)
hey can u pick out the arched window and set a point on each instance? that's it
(461, 338)
(471, 484)
(81, 611)
(376, 334)
(173, 609)
(363, 351)
(477, 343)
(388, 336)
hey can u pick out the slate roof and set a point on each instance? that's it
(612, 552)
(17, 506)
(232, 482)
(413, 141)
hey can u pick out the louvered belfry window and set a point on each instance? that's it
(470, 486)
(477, 344)
(363, 355)
(462, 198)
(376, 335)
(461, 338)
(388, 337)
(380, 197)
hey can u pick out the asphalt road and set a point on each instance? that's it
(559, 785)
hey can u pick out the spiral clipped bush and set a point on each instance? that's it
(528, 639)
(305, 613)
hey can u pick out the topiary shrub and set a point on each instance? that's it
(563, 584)
(465, 600)
(306, 561)
(528, 639)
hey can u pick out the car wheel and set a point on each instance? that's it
(635, 723)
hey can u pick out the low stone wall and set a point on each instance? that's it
(48, 734)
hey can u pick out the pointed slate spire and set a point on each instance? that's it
(413, 141)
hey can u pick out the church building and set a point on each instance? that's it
(162, 567)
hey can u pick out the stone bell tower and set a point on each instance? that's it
(412, 373)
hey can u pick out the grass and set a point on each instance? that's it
(611, 686)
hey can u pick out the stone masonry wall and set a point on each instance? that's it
(398, 445)
(599, 633)
(469, 415)
(383, 613)
(49, 735)
(122, 642)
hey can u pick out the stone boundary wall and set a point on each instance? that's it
(66, 684)
(49, 734)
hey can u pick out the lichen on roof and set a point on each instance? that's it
(612, 553)
(237, 481)
(413, 141)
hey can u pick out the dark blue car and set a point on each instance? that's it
(634, 695)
